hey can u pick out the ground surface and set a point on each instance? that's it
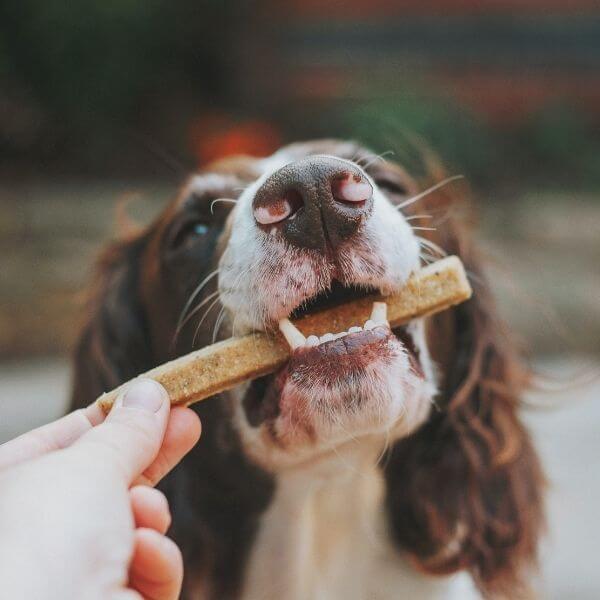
(566, 435)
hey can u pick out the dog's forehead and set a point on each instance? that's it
(331, 147)
(199, 192)
(247, 168)
(229, 176)
(209, 185)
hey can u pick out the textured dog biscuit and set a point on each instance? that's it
(224, 365)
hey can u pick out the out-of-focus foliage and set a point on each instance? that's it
(559, 139)
(85, 59)
(414, 124)
(554, 146)
(91, 67)
(81, 83)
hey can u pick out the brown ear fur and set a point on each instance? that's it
(113, 345)
(465, 490)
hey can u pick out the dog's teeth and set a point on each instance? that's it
(326, 338)
(379, 313)
(355, 329)
(291, 333)
(339, 335)
(312, 340)
(369, 325)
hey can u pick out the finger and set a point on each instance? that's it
(156, 570)
(150, 508)
(53, 436)
(130, 437)
(183, 431)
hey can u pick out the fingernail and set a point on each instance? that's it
(145, 394)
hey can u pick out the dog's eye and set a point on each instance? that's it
(189, 233)
(200, 228)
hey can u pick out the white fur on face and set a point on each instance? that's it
(263, 279)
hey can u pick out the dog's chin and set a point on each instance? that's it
(366, 385)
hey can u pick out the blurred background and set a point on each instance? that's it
(102, 102)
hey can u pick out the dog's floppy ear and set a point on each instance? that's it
(464, 491)
(114, 344)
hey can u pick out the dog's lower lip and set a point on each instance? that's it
(350, 343)
(360, 348)
(346, 356)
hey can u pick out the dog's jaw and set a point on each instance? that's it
(309, 416)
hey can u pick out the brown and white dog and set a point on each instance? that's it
(375, 465)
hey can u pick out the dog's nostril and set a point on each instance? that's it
(273, 213)
(280, 209)
(351, 189)
(296, 202)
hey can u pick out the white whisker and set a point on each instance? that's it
(413, 217)
(193, 296)
(212, 304)
(424, 228)
(376, 158)
(429, 245)
(220, 200)
(424, 193)
(218, 324)
(192, 313)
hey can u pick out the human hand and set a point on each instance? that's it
(78, 516)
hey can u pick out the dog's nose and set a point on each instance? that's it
(317, 201)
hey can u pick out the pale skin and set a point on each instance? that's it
(79, 517)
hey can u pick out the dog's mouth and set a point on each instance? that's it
(363, 373)
(346, 353)
(337, 294)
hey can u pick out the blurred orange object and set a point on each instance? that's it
(217, 136)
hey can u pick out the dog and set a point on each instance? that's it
(378, 464)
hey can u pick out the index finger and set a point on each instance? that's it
(53, 436)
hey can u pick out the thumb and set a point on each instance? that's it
(132, 433)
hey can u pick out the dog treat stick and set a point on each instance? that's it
(224, 365)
